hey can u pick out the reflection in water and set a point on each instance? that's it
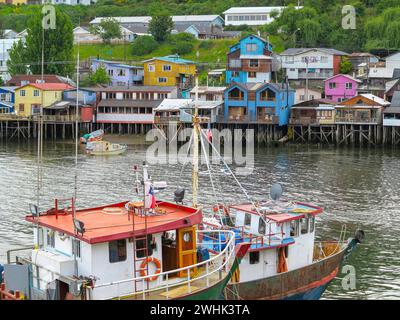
(359, 188)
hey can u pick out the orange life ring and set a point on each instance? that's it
(143, 272)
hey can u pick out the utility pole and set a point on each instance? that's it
(306, 93)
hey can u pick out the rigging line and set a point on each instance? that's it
(211, 179)
(186, 157)
(237, 181)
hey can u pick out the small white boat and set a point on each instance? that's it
(98, 148)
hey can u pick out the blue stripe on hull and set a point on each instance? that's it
(312, 294)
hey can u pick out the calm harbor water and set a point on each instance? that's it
(356, 187)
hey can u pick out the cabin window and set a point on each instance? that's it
(162, 80)
(166, 67)
(332, 85)
(304, 225)
(294, 228)
(50, 238)
(76, 248)
(349, 85)
(312, 223)
(261, 226)
(251, 47)
(247, 219)
(141, 247)
(117, 250)
(254, 257)
(151, 68)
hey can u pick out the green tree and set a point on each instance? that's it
(17, 63)
(100, 76)
(107, 30)
(57, 47)
(1, 81)
(345, 66)
(143, 45)
(160, 27)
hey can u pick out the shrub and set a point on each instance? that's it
(144, 45)
(206, 45)
(182, 47)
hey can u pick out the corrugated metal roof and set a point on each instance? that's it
(129, 103)
(260, 10)
(297, 51)
(172, 58)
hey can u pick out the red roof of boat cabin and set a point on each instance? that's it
(108, 223)
(292, 213)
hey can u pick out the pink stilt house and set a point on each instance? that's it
(340, 87)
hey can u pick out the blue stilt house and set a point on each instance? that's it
(7, 99)
(264, 103)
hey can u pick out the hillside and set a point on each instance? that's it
(319, 22)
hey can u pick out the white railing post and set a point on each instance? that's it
(207, 277)
(144, 294)
(167, 286)
(189, 288)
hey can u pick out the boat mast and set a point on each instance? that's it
(196, 133)
(75, 244)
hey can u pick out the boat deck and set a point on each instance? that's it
(108, 223)
(179, 291)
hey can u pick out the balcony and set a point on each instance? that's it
(166, 119)
(356, 120)
(303, 121)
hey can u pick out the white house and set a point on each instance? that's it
(301, 94)
(5, 47)
(393, 61)
(311, 63)
(254, 16)
(391, 115)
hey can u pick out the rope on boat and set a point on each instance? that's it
(234, 177)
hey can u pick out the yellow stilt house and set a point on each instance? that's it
(169, 71)
(30, 97)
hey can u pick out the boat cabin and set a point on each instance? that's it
(112, 245)
(281, 236)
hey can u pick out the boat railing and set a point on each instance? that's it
(246, 236)
(167, 281)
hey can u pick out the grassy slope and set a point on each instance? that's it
(215, 52)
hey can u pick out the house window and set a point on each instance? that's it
(235, 74)
(151, 68)
(349, 85)
(21, 107)
(36, 93)
(117, 250)
(304, 225)
(302, 97)
(247, 219)
(76, 248)
(141, 247)
(50, 238)
(254, 257)
(253, 63)
(324, 59)
(121, 73)
(289, 59)
(251, 47)
(235, 63)
(166, 67)
(312, 223)
(252, 74)
(162, 80)
(110, 72)
(332, 85)
(294, 228)
(22, 93)
(261, 226)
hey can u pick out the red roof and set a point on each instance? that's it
(108, 223)
(50, 86)
(296, 212)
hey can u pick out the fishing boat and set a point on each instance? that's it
(134, 250)
(284, 260)
(93, 136)
(105, 148)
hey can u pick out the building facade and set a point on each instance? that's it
(131, 105)
(120, 74)
(253, 16)
(311, 63)
(170, 71)
(267, 103)
(7, 99)
(249, 61)
(30, 97)
(341, 87)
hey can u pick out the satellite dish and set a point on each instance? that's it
(276, 191)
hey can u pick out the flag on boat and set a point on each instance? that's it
(153, 197)
(209, 132)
